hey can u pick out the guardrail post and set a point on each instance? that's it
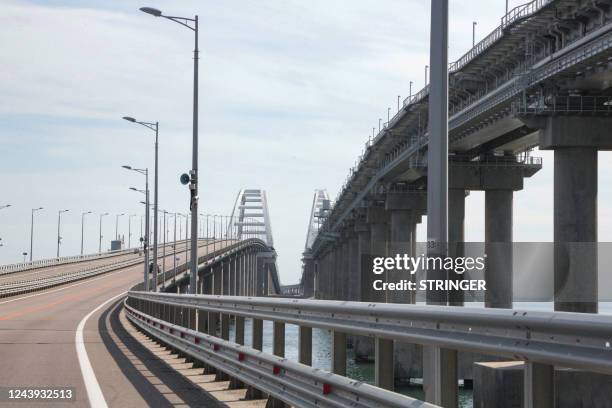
(257, 343)
(384, 372)
(538, 389)
(223, 289)
(278, 350)
(339, 353)
(305, 345)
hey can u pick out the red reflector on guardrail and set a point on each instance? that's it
(216, 347)
(275, 370)
(327, 389)
(241, 356)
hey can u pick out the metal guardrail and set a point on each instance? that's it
(31, 285)
(296, 384)
(43, 263)
(18, 288)
(574, 340)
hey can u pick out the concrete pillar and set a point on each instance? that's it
(400, 243)
(364, 346)
(575, 229)
(352, 278)
(456, 237)
(308, 275)
(498, 247)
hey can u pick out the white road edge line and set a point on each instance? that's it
(94, 392)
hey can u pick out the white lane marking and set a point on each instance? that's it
(94, 392)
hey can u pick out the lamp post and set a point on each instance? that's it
(154, 127)
(474, 23)
(117, 225)
(410, 92)
(100, 244)
(193, 187)
(32, 232)
(130, 229)
(145, 239)
(59, 221)
(83, 228)
(426, 69)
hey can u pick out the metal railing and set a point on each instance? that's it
(564, 104)
(575, 340)
(43, 263)
(293, 383)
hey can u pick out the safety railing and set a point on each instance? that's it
(575, 340)
(574, 104)
(291, 382)
(43, 263)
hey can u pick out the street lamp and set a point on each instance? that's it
(117, 225)
(4, 206)
(155, 128)
(82, 227)
(474, 23)
(410, 91)
(100, 244)
(145, 239)
(59, 220)
(32, 232)
(193, 187)
(426, 69)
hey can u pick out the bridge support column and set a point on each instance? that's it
(352, 279)
(364, 346)
(576, 141)
(498, 247)
(308, 275)
(498, 177)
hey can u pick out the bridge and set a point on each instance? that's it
(118, 338)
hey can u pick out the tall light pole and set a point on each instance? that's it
(117, 225)
(474, 23)
(398, 102)
(83, 228)
(145, 238)
(426, 69)
(410, 92)
(439, 364)
(154, 127)
(100, 242)
(2, 207)
(32, 231)
(130, 229)
(59, 221)
(193, 186)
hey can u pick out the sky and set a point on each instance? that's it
(289, 92)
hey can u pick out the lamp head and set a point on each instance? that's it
(127, 167)
(133, 189)
(129, 119)
(152, 11)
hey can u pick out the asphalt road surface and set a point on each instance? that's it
(40, 346)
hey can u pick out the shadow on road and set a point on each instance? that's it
(157, 384)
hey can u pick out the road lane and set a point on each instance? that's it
(37, 341)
